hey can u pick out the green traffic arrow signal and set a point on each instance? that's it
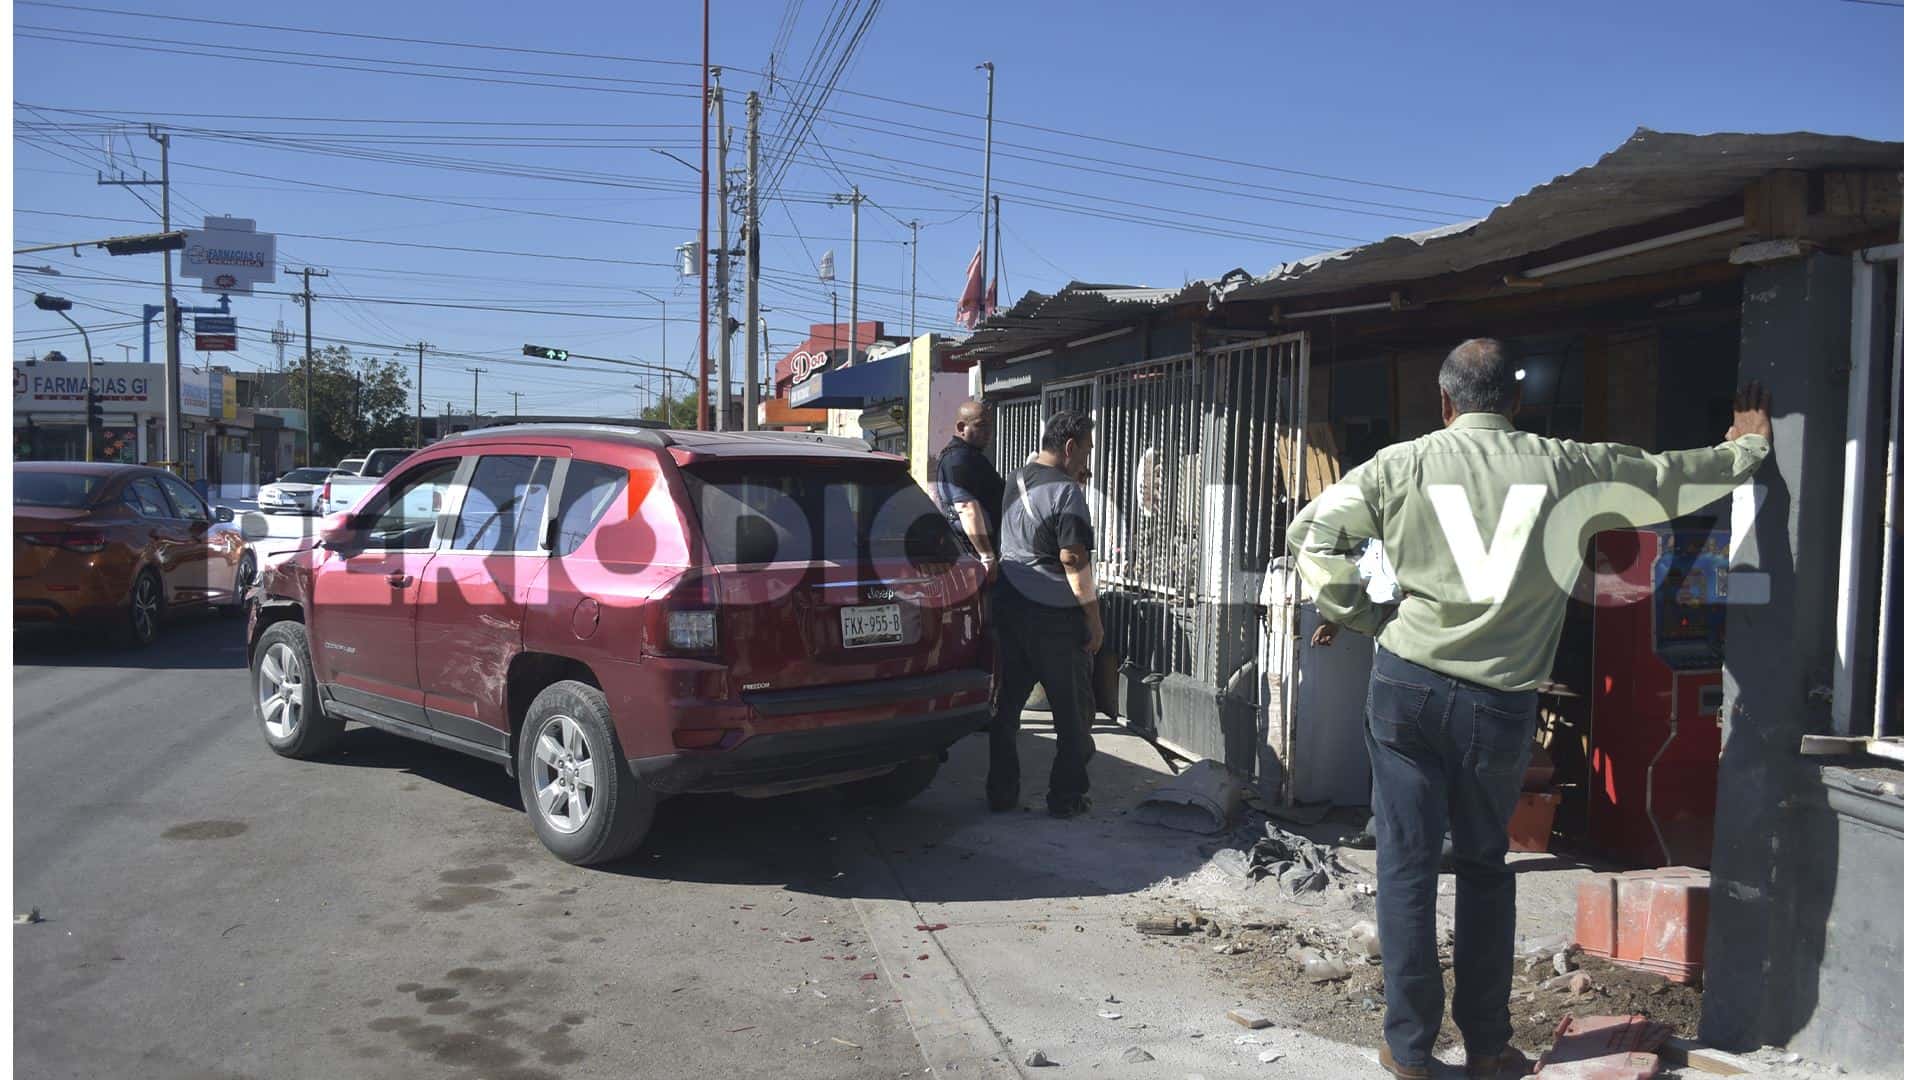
(543, 352)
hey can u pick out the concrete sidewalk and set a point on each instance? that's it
(1034, 945)
(1038, 938)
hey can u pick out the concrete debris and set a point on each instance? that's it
(1111, 1000)
(1248, 1018)
(1164, 926)
(1133, 1055)
(1105, 1015)
(1202, 799)
(1229, 949)
(27, 918)
(1559, 982)
(1580, 983)
(1039, 1060)
(1270, 1057)
(1365, 937)
(1563, 962)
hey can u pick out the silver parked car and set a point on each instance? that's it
(296, 492)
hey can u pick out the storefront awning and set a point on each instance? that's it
(854, 387)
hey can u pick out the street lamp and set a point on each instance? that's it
(664, 390)
(60, 306)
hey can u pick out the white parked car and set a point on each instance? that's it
(296, 492)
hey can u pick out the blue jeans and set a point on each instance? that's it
(1446, 754)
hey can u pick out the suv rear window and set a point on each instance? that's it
(758, 512)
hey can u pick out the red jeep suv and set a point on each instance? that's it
(620, 614)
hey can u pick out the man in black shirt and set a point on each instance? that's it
(970, 490)
(1046, 615)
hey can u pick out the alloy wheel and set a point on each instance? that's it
(281, 684)
(565, 776)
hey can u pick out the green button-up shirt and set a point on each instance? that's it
(1486, 528)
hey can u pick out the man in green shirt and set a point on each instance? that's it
(1486, 528)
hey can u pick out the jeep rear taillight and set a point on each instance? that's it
(686, 621)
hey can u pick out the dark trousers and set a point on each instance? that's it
(1038, 643)
(1446, 754)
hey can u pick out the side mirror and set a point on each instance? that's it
(223, 513)
(338, 530)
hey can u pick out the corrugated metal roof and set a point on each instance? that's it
(1652, 176)
(1075, 310)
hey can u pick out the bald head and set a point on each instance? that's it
(973, 422)
(1477, 377)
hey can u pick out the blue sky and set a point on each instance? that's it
(1410, 114)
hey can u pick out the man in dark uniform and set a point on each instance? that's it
(1046, 615)
(970, 490)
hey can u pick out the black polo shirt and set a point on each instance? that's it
(964, 474)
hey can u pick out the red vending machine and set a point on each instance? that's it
(1659, 638)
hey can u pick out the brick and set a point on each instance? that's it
(1248, 1018)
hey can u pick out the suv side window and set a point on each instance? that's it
(412, 507)
(591, 488)
(505, 504)
(186, 501)
(143, 494)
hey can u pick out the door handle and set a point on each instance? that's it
(399, 580)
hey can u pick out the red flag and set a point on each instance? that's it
(993, 298)
(971, 309)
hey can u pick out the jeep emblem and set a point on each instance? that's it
(879, 592)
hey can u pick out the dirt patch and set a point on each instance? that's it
(1351, 1009)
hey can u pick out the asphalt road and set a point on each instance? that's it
(215, 911)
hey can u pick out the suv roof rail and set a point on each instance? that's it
(662, 437)
(694, 439)
(644, 436)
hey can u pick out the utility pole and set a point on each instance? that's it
(723, 258)
(172, 373)
(640, 402)
(751, 368)
(834, 296)
(515, 395)
(420, 394)
(172, 317)
(307, 274)
(477, 372)
(913, 290)
(993, 277)
(986, 192)
(706, 104)
(127, 356)
(853, 302)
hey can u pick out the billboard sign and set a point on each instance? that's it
(43, 387)
(228, 256)
(216, 333)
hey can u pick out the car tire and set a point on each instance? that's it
(282, 671)
(242, 581)
(568, 743)
(146, 606)
(908, 779)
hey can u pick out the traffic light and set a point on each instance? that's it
(544, 352)
(96, 415)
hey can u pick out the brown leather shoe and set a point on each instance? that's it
(1510, 1061)
(1404, 1072)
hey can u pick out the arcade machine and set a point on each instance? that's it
(1659, 632)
